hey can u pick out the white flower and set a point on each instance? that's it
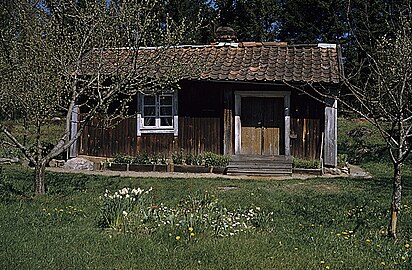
(125, 213)
(124, 191)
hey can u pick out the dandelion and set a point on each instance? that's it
(190, 229)
(407, 245)
(177, 237)
(192, 234)
(403, 258)
(327, 267)
(322, 262)
(368, 240)
(338, 234)
(382, 263)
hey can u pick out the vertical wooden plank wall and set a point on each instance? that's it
(199, 134)
(196, 135)
(307, 138)
(96, 140)
(228, 122)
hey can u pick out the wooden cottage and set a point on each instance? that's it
(246, 101)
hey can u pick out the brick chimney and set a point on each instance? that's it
(225, 34)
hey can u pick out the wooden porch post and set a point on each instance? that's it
(330, 157)
(286, 105)
(238, 125)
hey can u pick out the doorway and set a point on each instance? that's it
(262, 125)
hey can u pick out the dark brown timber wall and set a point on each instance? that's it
(200, 112)
(196, 135)
(307, 125)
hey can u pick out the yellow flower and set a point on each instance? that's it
(338, 234)
(403, 258)
(322, 262)
(382, 263)
(192, 234)
(296, 248)
(178, 237)
(190, 229)
(368, 240)
(327, 267)
(407, 245)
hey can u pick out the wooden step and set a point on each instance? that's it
(260, 165)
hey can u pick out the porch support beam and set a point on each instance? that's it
(238, 125)
(286, 105)
(331, 133)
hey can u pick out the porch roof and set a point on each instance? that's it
(247, 61)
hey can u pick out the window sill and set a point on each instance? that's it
(157, 130)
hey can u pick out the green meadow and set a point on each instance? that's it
(318, 223)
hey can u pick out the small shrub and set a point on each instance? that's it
(216, 160)
(306, 164)
(141, 159)
(191, 159)
(178, 158)
(123, 159)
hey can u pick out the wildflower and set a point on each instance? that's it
(296, 248)
(368, 240)
(192, 234)
(338, 234)
(327, 267)
(322, 262)
(125, 213)
(382, 263)
(178, 237)
(403, 258)
(407, 245)
(190, 229)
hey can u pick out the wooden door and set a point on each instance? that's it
(262, 123)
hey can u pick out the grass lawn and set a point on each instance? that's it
(317, 224)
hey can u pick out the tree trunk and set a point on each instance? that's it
(40, 171)
(396, 199)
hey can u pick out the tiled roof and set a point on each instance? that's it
(251, 61)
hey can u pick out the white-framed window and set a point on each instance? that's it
(157, 114)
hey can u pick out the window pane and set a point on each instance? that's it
(149, 111)
(166, 121)
(165, 111)
(149, 121)
(166, 100)
(149, 100)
